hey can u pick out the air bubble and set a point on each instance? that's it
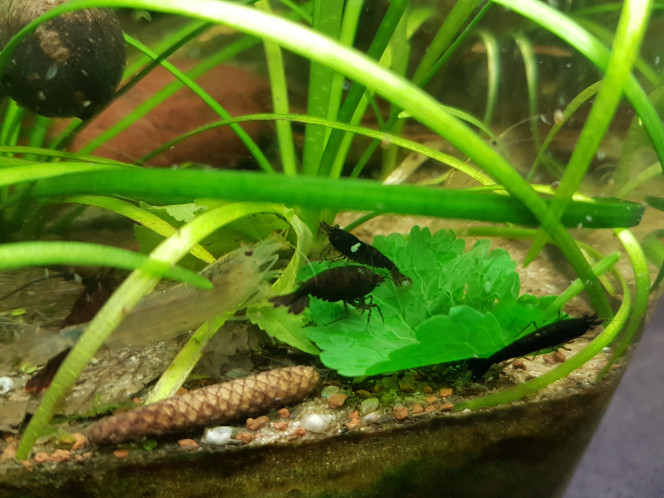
(51, 72)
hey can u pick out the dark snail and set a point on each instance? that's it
(70, 66)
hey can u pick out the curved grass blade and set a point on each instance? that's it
(492, 47)
(279, 91)
(357, 130)
(327, 20)
(569, 110)
(641, 294)
(525, 46)
(141, 216)
(56, 154)
(27, 254)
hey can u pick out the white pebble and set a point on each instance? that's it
(6, 385)
(316, 422)
(217, 436)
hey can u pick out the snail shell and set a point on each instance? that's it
(70, 66)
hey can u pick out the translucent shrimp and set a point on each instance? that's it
(239, 278)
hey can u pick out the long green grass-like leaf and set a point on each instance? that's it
(443, 41)
(279, 90)
(326, 20)
(492, 47)
(322, 193)
(641, 294)
(349, 27)
(530, 65)
(124, 299)
(181, 366)
(37, 134)
(35, 171)
(355, 130)
(26, 254)
(302, 12)
(631, 28)
(650, 173)
(334, 153)
(397, 59)
(11, 123)
(576, 287)
(33, 151)
(441, 48)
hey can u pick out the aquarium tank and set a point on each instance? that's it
(402, 211)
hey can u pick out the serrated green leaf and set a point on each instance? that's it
(283, 326)
(460, 305)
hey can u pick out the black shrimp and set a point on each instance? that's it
(349, 284)
(549, 336)
(353, 248)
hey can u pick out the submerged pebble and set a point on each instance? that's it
(6, 385)
(376, 418)
(328, 391)
(217, 436)
(369, 405)
(316, 422)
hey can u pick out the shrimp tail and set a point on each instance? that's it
(399, 278)
(478, 367)
(294, 301)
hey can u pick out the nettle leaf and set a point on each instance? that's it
(460, 305)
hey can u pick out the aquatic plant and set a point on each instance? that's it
(311, 187)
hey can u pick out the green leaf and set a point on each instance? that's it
(460, 305)
(655, 202)
(23, 254)
(282, 325)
